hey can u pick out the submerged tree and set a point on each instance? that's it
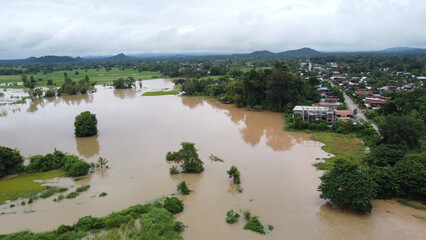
(234, 173)
(102, 162)
(191, 161)
(85, 124)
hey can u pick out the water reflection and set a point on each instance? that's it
(253, 125)
(125, 93)
(87, 146)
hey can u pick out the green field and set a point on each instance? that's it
(23, 186)
(162, 93)
(342, 146)
(100, 77)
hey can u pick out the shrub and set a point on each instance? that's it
(49, 93)
(78, 168)
(60, 197)
(72, 195)
(83, 188)
(48, 192)
(183, 188)
(103, 194)
(116, 220)
(173, 170)
(232, 217)
(173, 156)
(215, 158)
(254, 225)
(85, 124)
(89, 223)
(122, 83)
(11, 161)
(173, 205)
(234, 173)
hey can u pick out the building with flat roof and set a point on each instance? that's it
(313, 113)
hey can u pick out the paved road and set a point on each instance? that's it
(352, 106)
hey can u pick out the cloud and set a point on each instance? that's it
(78, 28)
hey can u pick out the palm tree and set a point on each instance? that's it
(102, 162)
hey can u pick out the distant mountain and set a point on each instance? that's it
(120, 56)
(404, 50)
(263, 53)
(299, 53)
(53, 59)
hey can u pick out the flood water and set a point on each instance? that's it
(136, 132)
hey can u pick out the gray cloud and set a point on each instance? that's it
(36, 28)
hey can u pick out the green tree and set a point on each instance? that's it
(11, 161)
(235, 174)
(411, 178)
(183, 188)
(346, 185)
(122, 83)
(102, 162)
(85, 124)
(191, 161)
(403, 130)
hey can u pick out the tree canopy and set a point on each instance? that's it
(85, 124)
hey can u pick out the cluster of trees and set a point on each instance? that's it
(276, 89)
(73, 165)
(122, 83)
(72, 87)
(11, 162)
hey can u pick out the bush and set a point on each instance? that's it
(116, 220)
(232, 217)
(234, 173)
(173, 170)
(173, 205)
(89, 223)
(183, 188)
(83, 188)
(49, 93)
(173, 156)
(85, 124)
(11, 161)
(77, 169)
(254, 225)
(72, 195)
(103, 194)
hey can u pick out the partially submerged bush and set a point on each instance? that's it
(103, 194)
(183, 188)
(232, 217)
(173, 156)
(254, 225)
(83, 188)
(173, 205)
(234, 173)
(173, 170)
(72, 195)
(215, 158)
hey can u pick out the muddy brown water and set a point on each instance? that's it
(135, 133)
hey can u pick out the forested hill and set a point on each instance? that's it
(265, 54)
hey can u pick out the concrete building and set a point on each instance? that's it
(312, 113)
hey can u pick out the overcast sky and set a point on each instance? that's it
(103, 27)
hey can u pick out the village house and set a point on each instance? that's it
(374, 103)
(343, 114)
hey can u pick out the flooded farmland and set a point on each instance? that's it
(136, 132)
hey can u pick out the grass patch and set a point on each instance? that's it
(23, 186)
(342, 146)
(162, 93)
(411, 205)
